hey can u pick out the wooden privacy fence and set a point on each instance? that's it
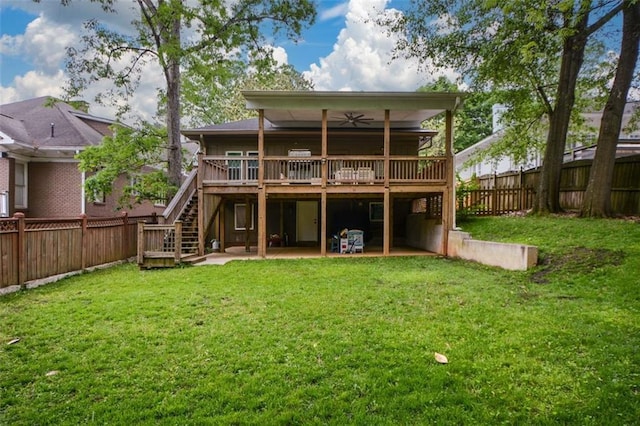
(32, 249)
(513, 191)
(494, 202)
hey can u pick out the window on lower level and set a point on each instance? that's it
(240, 217)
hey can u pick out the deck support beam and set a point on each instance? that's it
(448, 197)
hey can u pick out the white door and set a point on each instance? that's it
(307, 221)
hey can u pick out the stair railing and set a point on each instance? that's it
(181, 199)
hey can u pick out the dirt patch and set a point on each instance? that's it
(577, 260)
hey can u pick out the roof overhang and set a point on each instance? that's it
(304, 109)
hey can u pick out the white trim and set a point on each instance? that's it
(25, 185)
(83, 195)
(235, 216)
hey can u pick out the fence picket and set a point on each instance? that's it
(31, 249)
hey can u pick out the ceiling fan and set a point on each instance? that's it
(353, 119)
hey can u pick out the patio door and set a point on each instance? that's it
(307, 221)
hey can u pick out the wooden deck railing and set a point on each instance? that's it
(243, 170)
(159, 245)
(182, 198)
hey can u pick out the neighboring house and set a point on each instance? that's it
(315, 163)
(39, 175)
(467, 167)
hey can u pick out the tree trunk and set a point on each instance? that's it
(174, 151)
(547, 198)
(597, 202)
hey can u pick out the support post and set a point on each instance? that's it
(324, 162)
(262, 223)
(386, 239)
(22, 250)
(323, 223)
(125, 235)
(247, 224)
(140, 242)
(449, 197)
(178, 247)
(85, 237)
(201, 211)
(387, 147)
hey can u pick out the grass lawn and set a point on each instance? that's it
(339, 341)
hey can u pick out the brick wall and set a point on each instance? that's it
(110, 206)
(55, 190)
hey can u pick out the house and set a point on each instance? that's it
(39, 174)
(316, 163)
(580, 147)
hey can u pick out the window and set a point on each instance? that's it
(21, 185)
(240, 211)
(376, 211)
(252, 166)
(99, 197)
(234, 167)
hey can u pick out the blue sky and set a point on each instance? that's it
(344, 50)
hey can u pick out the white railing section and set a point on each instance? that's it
(4, 204)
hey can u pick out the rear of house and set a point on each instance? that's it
(316, 163)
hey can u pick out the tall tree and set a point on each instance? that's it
(220, 32)
(597, 201)
(222, 89)
(512, 47)
(575, 31)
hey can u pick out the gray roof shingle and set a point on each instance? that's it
(30, 122)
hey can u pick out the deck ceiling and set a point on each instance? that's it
(304, 109)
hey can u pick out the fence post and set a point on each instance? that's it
(83, 254)
(494, 201)
(125, 235)
(140, 242)
(178, 247)
(22, 250)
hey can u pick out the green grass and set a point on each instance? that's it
(339, 341)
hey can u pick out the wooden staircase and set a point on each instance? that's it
(189, 218)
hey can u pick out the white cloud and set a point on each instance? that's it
(280, 55)
(334, 12)
(361, 59)
(45, 44)
(33, 84)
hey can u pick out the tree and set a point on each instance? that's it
(223, 89)
(597, 201)
(575, 24)
(221, 33)
(473, 123)
(512, 47)
(132, 153)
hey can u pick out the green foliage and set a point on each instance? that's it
(463, 189)
(136, 156)
(345, 340)
(472, 123)
(220, 36)
(514, 48)
(214, 95)
(223, 38)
